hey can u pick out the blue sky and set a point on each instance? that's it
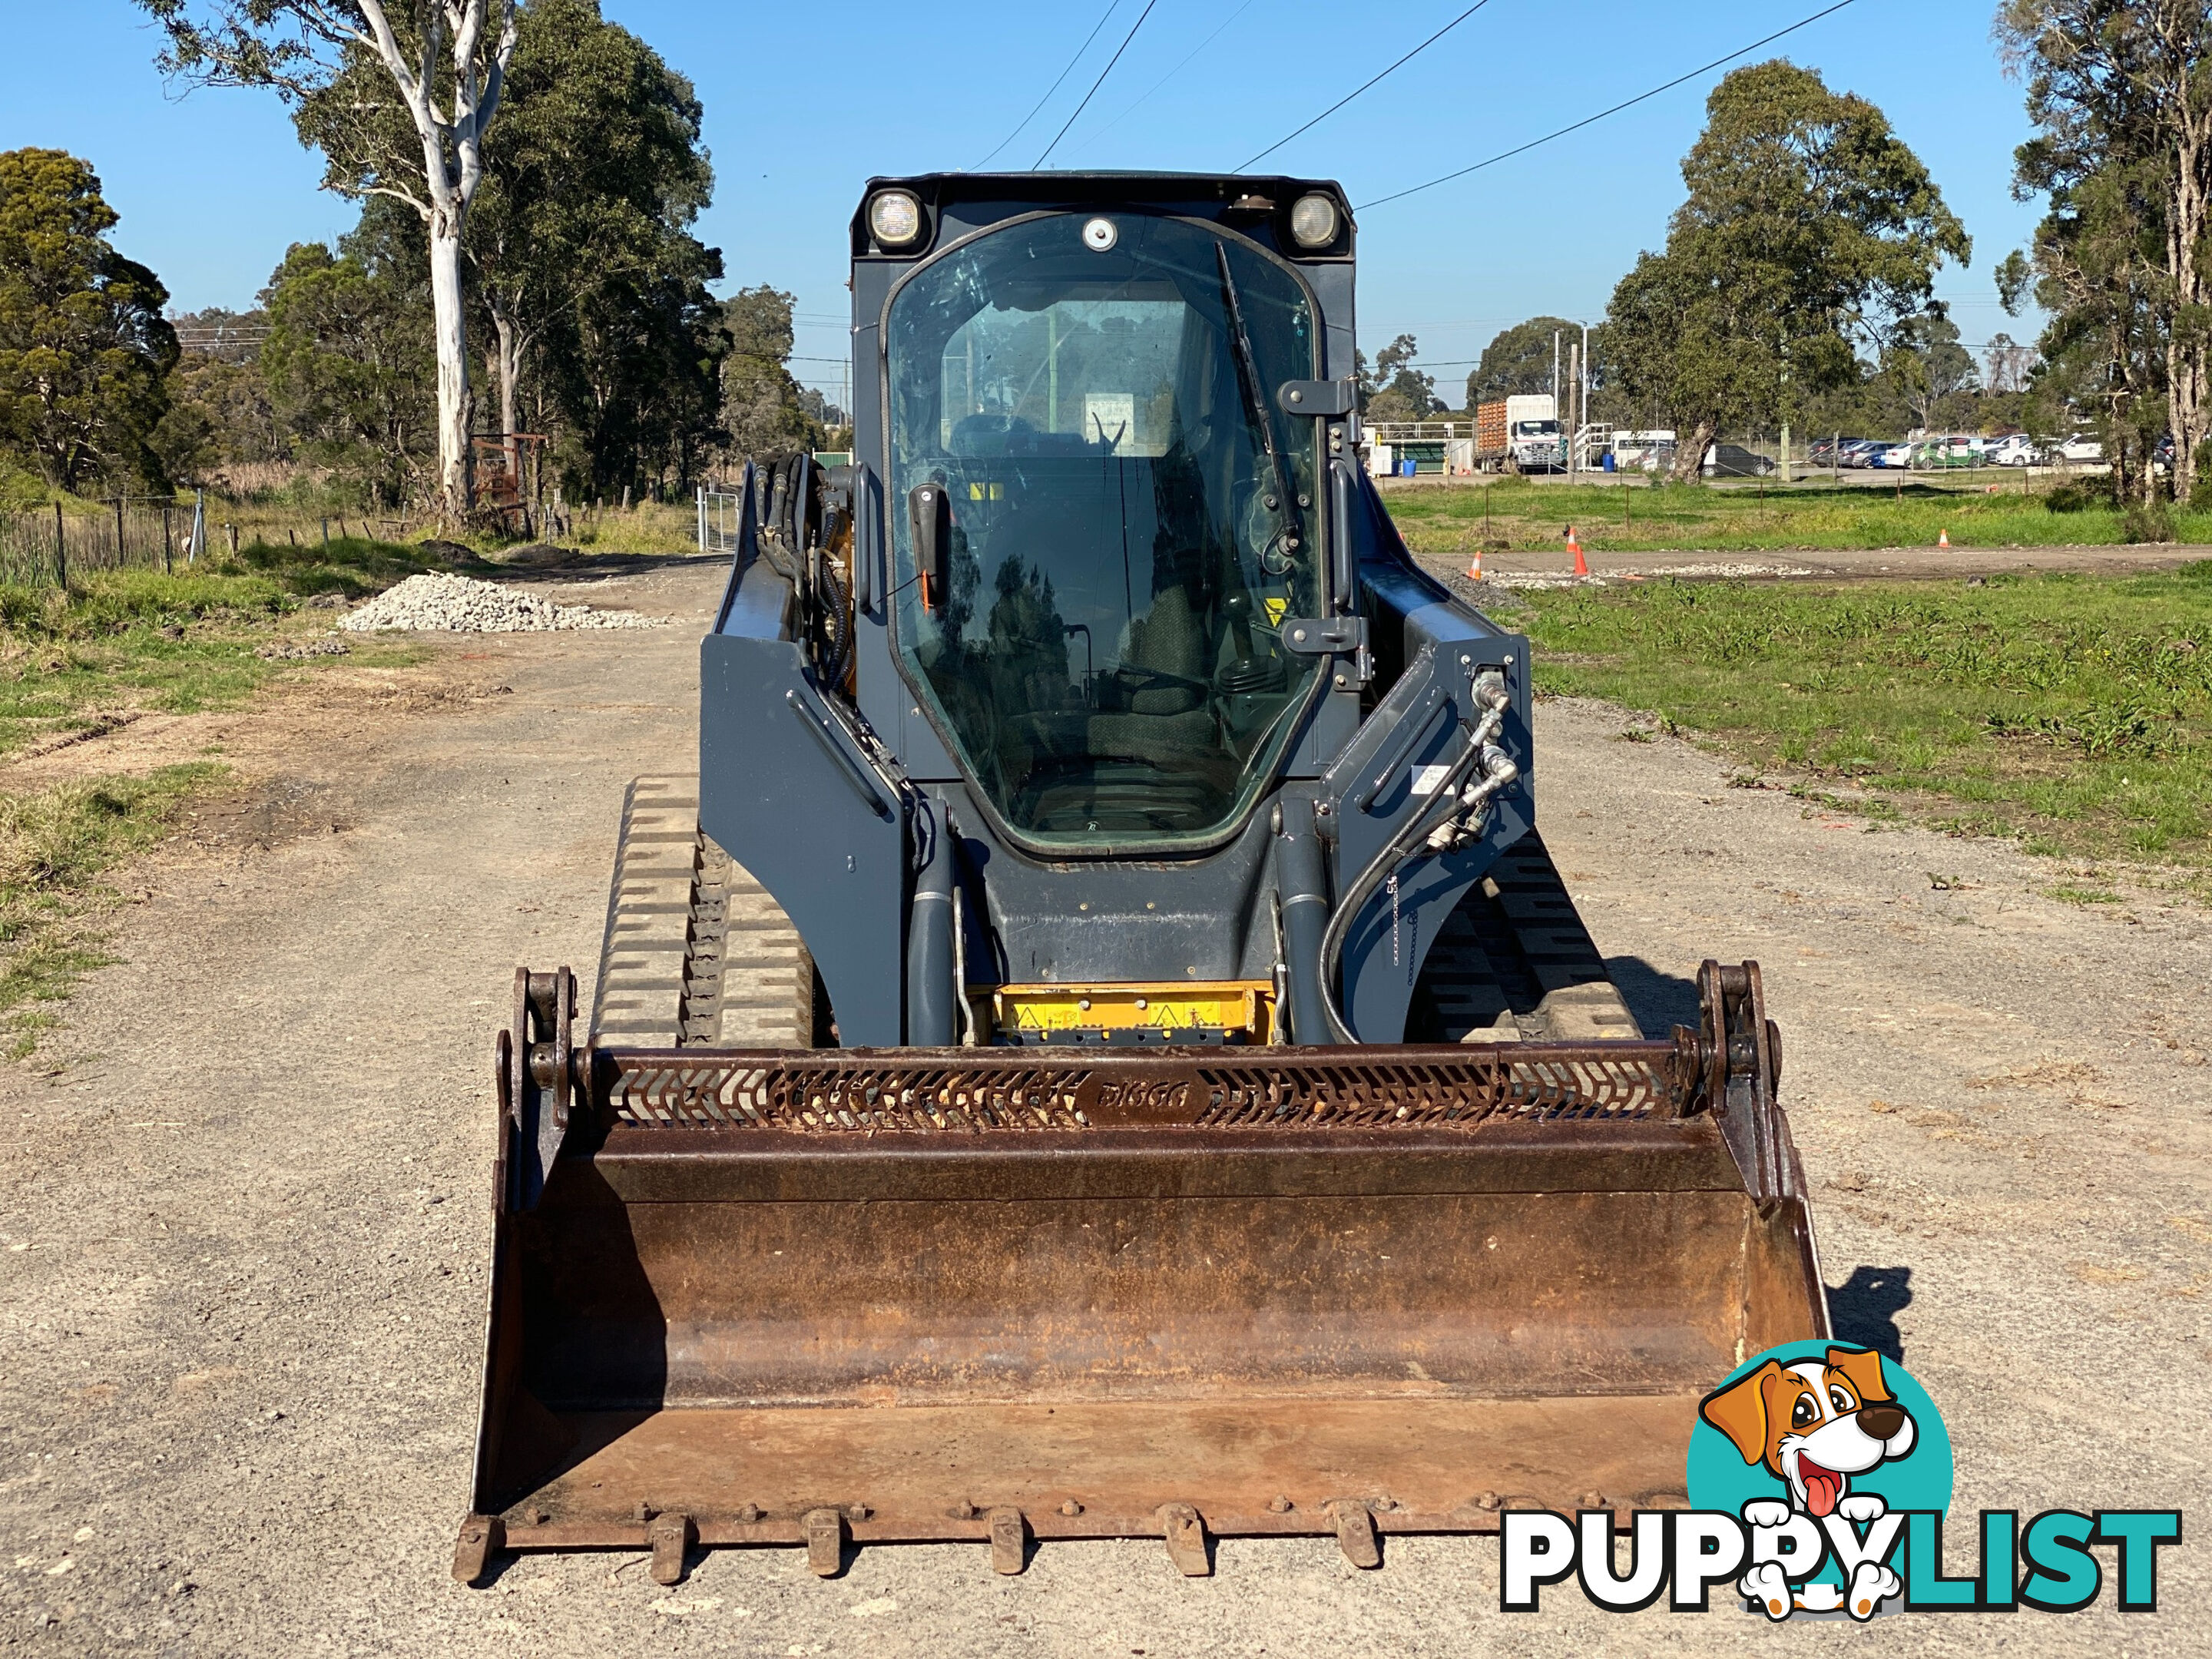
(804, 103)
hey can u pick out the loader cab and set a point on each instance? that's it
(1102, 668)
(1100, 512)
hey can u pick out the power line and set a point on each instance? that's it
(1523, 150)
(1112, 6)
(1099, 82)
(1102, 131)
(1356, 91)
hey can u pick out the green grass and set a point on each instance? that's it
(2074, 712)
(1450, 520)
(137, 640)
(122, 642)
(647, 527)
(55, 845)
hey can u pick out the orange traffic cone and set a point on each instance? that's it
(1942, 538)
(1574, 547)
(1474, 564)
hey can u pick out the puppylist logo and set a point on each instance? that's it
(1820, 1474)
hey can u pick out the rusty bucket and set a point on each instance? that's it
(847, 1297)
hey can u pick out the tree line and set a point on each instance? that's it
(528, 176)
(1796, 286)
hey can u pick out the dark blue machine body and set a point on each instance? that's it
(852, 812)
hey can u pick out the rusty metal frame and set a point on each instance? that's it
(1011, 1091)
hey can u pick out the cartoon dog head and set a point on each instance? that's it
(1813, 1424)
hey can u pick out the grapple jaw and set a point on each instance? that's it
(815, 1298)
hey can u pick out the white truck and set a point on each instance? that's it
(1520, 433)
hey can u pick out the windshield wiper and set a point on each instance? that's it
(1248, 377)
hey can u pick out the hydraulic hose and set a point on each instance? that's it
(1412, 837)
(842, 644)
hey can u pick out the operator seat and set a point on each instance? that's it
(1165, 675)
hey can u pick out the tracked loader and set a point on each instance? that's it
(1101, 1049)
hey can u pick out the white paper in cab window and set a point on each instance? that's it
(1108, 418)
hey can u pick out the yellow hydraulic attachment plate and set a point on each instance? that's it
(1238, 1011)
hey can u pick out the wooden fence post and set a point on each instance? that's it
(119, 558)
(61, 550)
(168, 559)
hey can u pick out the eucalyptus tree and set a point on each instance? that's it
(445, 63)
(1811, 231)
(84, 351)
(2120, 92)
(1521, 361)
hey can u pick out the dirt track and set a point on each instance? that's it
(242, 1221)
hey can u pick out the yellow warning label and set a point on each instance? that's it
(1238, 1005)
(1277, 610)
(987, 492)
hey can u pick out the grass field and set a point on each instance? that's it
(138, 640)
(2075, 712)
(55, 844)
(120, 643)
(1516, 514)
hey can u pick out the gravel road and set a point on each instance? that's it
(243, 1216)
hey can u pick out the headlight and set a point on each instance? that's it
(1314, 220)
(895, 218)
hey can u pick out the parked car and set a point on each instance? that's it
(2014, 449)
(1949, 452)
(1861, 452)
(2081, 448)
(1834, 452)
(1897, 456)
(1735, 461)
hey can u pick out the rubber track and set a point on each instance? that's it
(695, 954)
(1517, 950)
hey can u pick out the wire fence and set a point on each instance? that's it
(47, 547)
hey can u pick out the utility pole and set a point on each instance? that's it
(1555, 373)
(1785, 418)
(1582, 398)
(1574, 412)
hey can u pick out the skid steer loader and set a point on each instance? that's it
(1103, 1050)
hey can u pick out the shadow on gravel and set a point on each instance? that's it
(1864, 1309)
(1659, 1001)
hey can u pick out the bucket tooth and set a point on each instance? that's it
(1185, 1531)
(825, 1542)
(482, 1536)
(671, 1535)
(1355, 1533)
(1009, 1540)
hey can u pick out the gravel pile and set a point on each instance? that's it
(455, 605)
(1735, 569)
(1537, 581)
